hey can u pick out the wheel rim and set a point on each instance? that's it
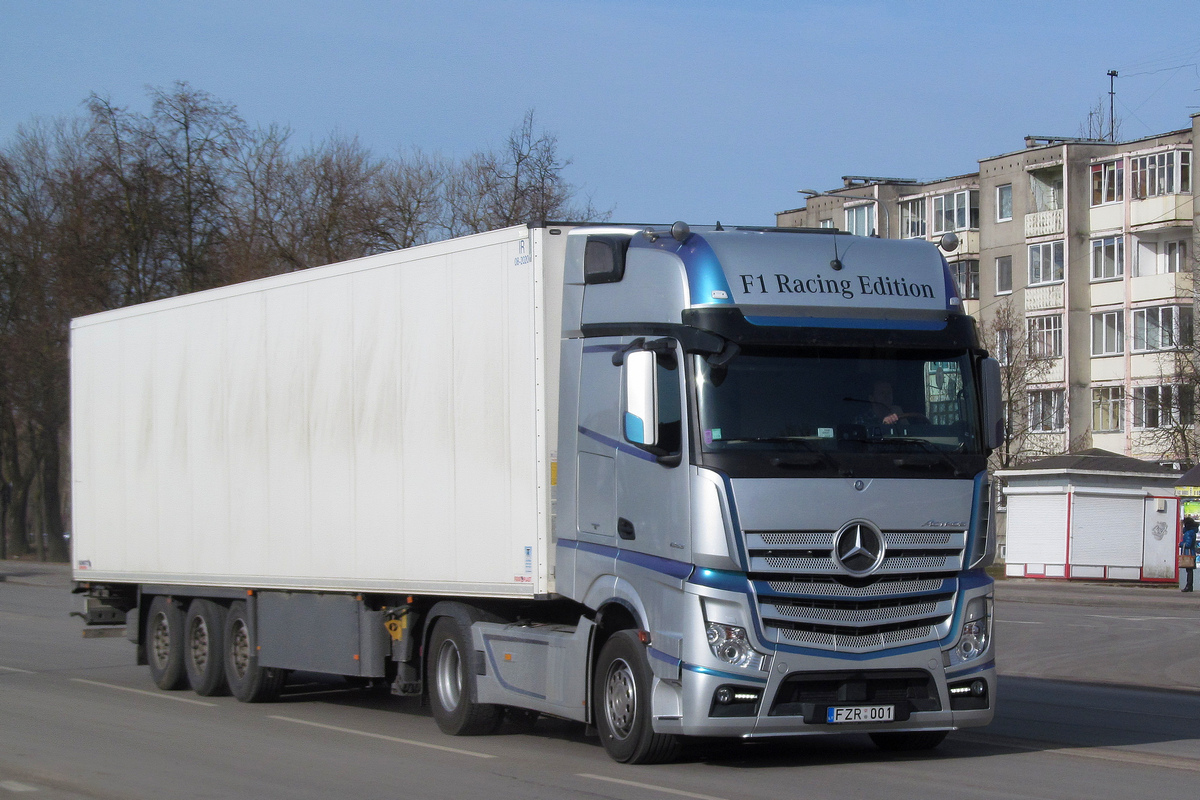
(198, 641)
(160, 641)
(449, 675)
(239, 649)
(620, 699)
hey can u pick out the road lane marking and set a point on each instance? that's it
(22, 671)
(1099, 753)
(652, 787)
(160, 695)
(13, 786)
(396, 739)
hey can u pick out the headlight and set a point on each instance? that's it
(976, 633)
(730, 644)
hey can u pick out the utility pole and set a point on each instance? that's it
(1112, 94)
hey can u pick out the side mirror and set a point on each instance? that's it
(993, 403)
(641, 398)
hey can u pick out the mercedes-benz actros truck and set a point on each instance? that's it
(668, 481)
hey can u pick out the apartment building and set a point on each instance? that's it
(1077, 256)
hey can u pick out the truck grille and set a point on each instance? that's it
(805, 598)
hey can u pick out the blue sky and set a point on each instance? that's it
(669, 110)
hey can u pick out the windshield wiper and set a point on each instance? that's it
(939, 455)
(821, 457)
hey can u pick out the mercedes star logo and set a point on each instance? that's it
(858, 548)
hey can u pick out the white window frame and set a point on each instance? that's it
(1006, 261)
(912, 219)
(1108, 182)
(1161, 328)
(1045, 336)
(1175, 254)
(1000, 193)
(1108, 258)
(1108, 409)
(1004, 346)
(1047, 410)
(1163, 405)
(966, 277)
(1108, 333)
(1057, 261)
(1158, 174)
(955, 211)
(864, 226)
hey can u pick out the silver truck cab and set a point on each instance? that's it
(772, 472)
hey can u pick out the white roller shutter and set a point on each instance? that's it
(1107, 530)
(1037, 528)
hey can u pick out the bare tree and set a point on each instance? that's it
(1023, 365)
(409, 193)
(1097, 125)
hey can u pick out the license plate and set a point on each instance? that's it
(861, 714)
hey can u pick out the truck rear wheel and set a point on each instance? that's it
(908, 741)
(621, 704)
(204, 651)
(248, 682)
(164, 643)
(452, 684)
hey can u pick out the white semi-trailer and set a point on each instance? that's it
(668, 481)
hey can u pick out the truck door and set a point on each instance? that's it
(652, 505)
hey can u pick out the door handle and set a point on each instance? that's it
(625, 529)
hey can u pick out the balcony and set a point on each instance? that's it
(1044, 223)
(1166, 209)
(1040, 298)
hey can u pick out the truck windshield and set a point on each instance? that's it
(840, 411)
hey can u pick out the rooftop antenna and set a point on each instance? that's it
(1112, 119)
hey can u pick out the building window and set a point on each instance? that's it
(1161, 328)
(1160, 173)
(1047, 410)
(825, 223)
(1045, 263)
(912, 219)
(958, 211)
(1004, 203)
(860, 220)
(1162, 406)
(1176, 256)
(1108, 182)
(1003, 274)
(1108, 403)
(1108, 333)
(1108, 258)
(1046, 336)
(1004, 346)
(966, 277)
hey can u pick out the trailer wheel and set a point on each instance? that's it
(204, 651)
(621, 704)
(248, 682)
(452, 684)
(164, 643)
(908, 741)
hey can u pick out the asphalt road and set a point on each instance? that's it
(1099, 699)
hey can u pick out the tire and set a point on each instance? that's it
(908, 741)
(452, 684)
(164, 644)
(204, 649)
(248, 682)
(621, 704)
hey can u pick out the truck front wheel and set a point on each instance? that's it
(248, 682)
(204, 653)
(164, 643)
(452, 684)
(621, 704)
